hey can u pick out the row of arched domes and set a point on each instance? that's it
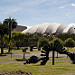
(50, 28)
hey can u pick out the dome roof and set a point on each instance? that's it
(50, 28)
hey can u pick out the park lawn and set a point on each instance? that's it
(70, 49)
(7, 59)
(60, 68)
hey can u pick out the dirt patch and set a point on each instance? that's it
(18, 72)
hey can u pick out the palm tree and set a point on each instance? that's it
(11, 25)
(3, 30)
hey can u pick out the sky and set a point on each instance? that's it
(32, 12)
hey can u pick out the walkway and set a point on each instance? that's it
(19, 54)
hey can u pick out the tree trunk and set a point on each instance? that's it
(9, 41)
(68, 51)
(57, 54)
(10, 27)
(17, 45)
(23, 55)
(2, 44)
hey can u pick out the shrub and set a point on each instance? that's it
(42, 42)
(69, 42)
(57, 40)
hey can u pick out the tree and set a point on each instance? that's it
(11, 25)
(6, 40)
(16, 38)
(59, 41)
(66, 36)
(41, 42)
(3, 30)
(69, 42)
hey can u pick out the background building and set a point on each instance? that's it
(19, 28)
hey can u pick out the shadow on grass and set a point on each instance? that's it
(38, 65)
(21, 59)
(59, 57)
(34, 64)
(7, 53)
(3, 55)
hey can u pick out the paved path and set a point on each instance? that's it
(27, 55)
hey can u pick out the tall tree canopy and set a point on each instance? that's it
(3, 30)
(11, 25)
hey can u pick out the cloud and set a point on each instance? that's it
(67, 15)
(62, 7)
(72, 25)
(73, 4)
(11, 10)
(32, 3)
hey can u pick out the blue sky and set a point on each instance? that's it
(32, 12)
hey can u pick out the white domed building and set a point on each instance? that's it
(50, 28)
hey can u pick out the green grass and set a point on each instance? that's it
(7, 59)
(60, 68)
(70, 49)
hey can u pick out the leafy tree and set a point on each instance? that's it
(24, 39)
(6, 40)
(11, 24)
(3, 30)
(16, 38)
(41, 42)
(20, 39)
(66, 36)
(63, 36)
(72, 36)
(11, 44)
(69, 42)
(57, 40)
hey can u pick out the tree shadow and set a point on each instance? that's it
(59, 57)
(21, 59)
(34, 65)
(38, 65)
(3, 55)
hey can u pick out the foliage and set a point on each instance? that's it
(16, 38)
(69, 42)
(57, 40)
(10, 44)
(41, 42)
(66, 36)
(33, 40)
(10, 22)
(20, 39)
(6, 40)
(3, 30)
(72, 36)
(49, 36)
